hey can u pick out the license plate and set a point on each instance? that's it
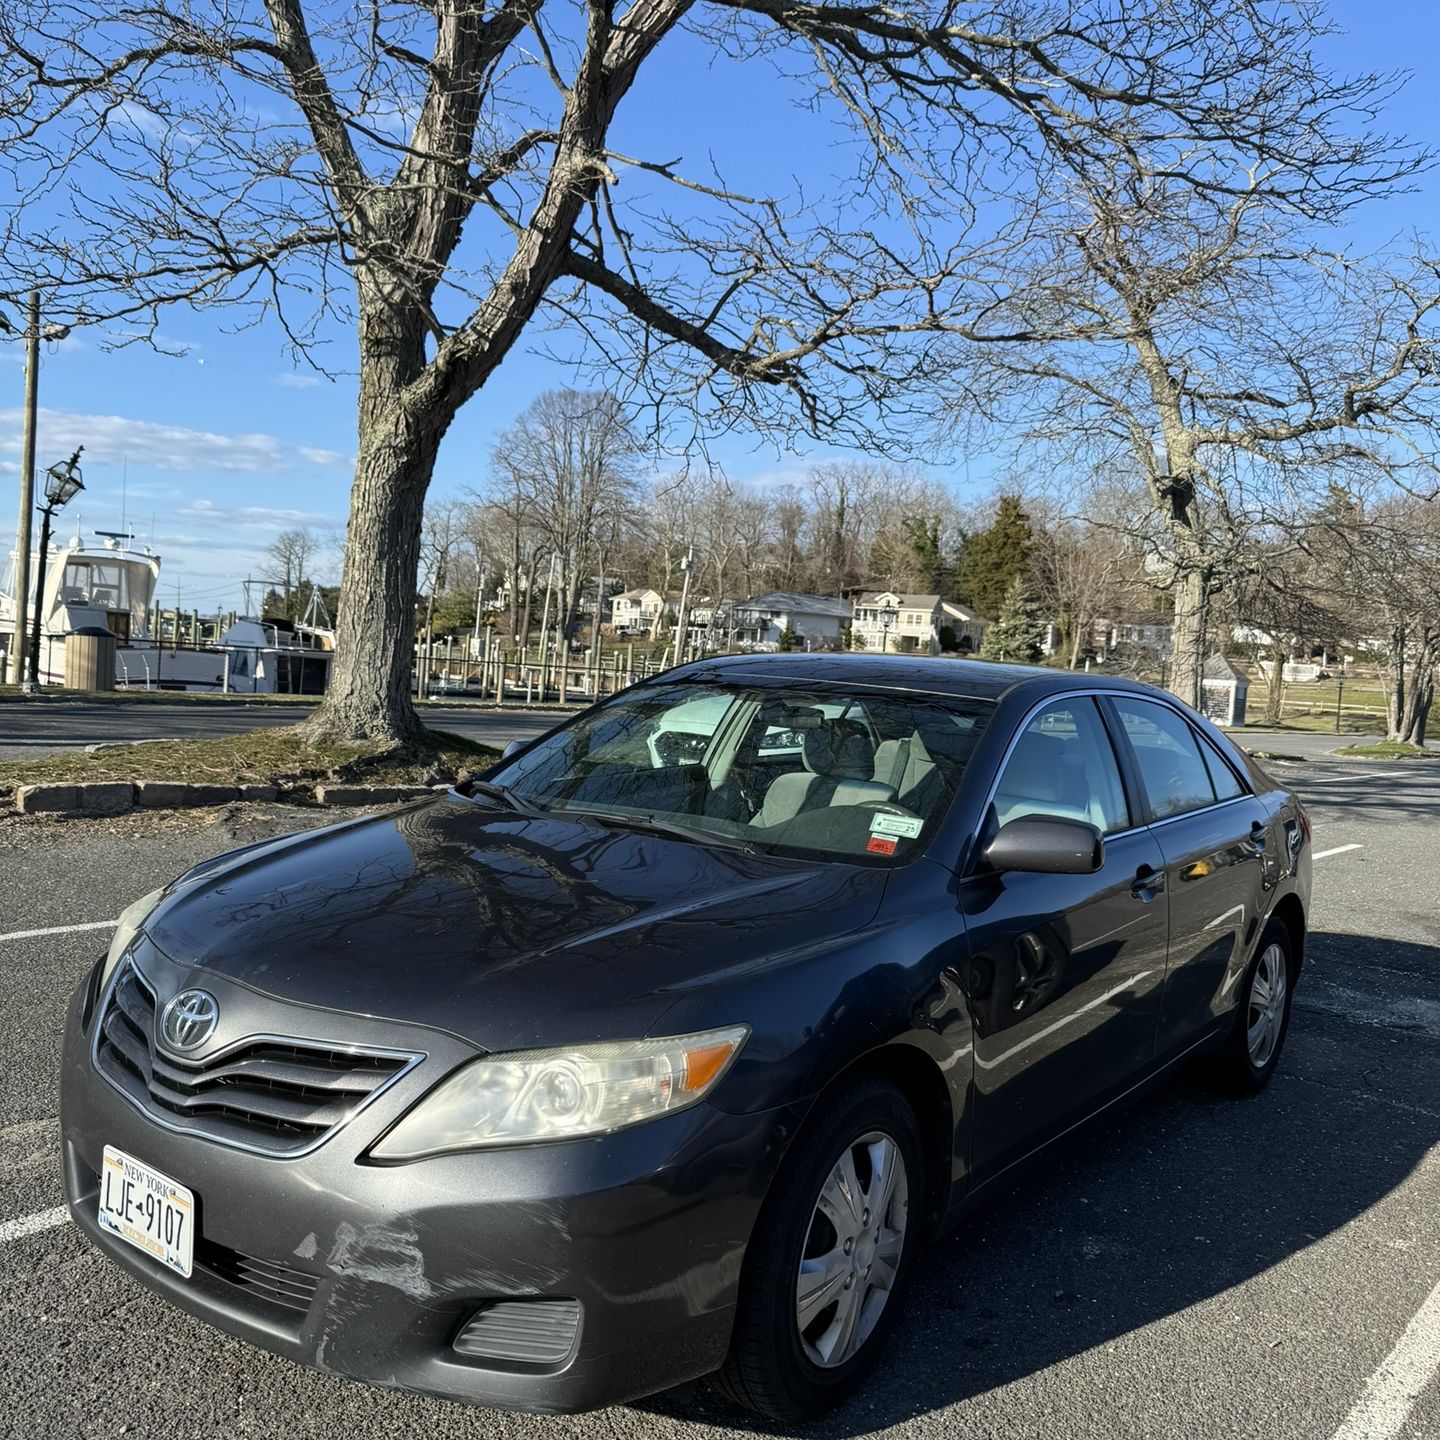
(147, 1210)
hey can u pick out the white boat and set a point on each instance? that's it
(111, 585)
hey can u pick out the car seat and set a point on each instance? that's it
(839, 761)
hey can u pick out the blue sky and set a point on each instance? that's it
(227, 444)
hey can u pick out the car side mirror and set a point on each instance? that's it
(510, 748)
(1047, 846)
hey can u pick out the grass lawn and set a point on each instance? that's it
(1389, 750)
(257, 757)
(1318, 723)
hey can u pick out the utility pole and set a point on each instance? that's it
(27, 489)
(682, 620)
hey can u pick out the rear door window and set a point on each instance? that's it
(1172, 770)
(1222, 777)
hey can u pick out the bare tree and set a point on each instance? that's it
(291, 554)
(568, 462)
(434, 175)
(1078, 576)
(1202, 339)
(1378, 564)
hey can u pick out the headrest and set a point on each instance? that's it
(840, 749)
(1035, 768)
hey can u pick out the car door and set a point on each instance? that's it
(1213, 833)
(1066, 970)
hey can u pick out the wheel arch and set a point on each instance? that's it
(918, 1076)
(1291, 914)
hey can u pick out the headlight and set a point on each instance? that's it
(562, 1094)
(126, 929)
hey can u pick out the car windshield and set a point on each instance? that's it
(855, 775)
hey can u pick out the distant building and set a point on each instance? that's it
(969, 628)
(635, 610)
(818, 620)
(1110, 636)
(913, 626)
(916, 624)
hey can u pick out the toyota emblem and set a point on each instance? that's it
(189, 1020)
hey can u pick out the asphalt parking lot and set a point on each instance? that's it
(45, 726)
(1202, 1268)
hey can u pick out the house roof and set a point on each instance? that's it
(639, 594)
(1217, 667)
(957, 611)
(911, 602)
(790, 600)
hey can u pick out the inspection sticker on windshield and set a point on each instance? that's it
(906, 826)
(147, 1209)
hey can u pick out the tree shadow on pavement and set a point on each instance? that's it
(1172, 1203)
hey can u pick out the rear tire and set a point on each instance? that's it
(1262, 1018)
(830, 1258)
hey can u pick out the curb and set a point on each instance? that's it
(120, 797)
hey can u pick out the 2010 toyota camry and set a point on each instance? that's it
(663, 1051)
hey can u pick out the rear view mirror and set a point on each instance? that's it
(1047, 846)
(510, 748)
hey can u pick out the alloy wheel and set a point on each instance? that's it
(1266, 1011)
(852, 1249)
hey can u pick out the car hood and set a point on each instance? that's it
(507, 929)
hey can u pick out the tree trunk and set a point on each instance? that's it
(1395, 700)
(1275, 697)
(533, 561)
(1188, 636)
(1421, 694)
(369, 694)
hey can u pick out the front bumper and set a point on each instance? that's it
(371, 1272)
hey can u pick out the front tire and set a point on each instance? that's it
(1262, 1020)
(829, 1259)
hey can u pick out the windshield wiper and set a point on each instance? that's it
(651, 824)
(505, 795)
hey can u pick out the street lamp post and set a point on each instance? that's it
(888, 616)
(62, 484)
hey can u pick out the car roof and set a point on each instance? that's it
(968, 679)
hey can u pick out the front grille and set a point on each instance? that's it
(537, 1332)
(266, 1280)
(278, 1095)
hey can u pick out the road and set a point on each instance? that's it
(1262, 1270)
(40, 728)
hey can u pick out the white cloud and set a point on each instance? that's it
(252, 517)
(297, 380)
(321, 457)
(114, 438)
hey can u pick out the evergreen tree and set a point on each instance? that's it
(1019, 632)
(995, 557)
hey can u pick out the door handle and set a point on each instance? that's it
(1147, 884)
(1259, 835)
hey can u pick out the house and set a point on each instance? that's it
(818, 620)
(1149, 637)
(897, 622)
(969, 629)
(632, 611)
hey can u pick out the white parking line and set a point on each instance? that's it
(33, 1224)
(1390, 1396)
(1318, 855)
(1353, 775)
(60, 930)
